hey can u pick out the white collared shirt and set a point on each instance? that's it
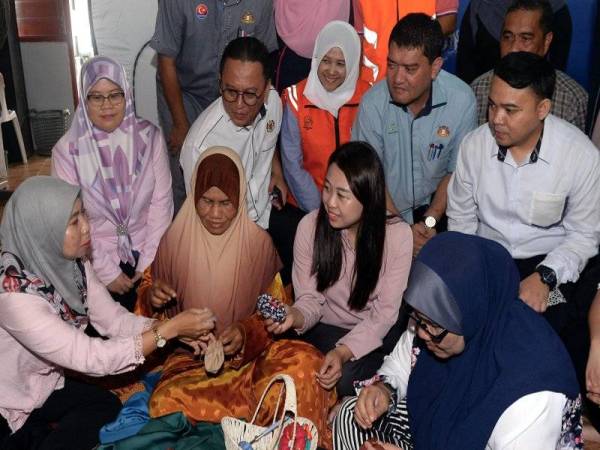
(255, 144)
(550, 207)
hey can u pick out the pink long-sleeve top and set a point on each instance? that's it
(151, 214)
(367, 327)
(36, 344)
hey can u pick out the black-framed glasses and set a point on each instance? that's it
(114, 98)
(249, 98)
(435, 332)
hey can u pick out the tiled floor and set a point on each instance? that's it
(37, 165)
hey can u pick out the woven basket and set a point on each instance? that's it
(236, 430)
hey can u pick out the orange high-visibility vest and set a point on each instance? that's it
(379, 17)
(320, 132)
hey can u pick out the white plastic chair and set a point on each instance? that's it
(8, 115)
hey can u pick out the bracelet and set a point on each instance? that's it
(359, 384)
(383, 379)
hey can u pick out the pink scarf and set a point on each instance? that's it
(299, 22)
(109, 165)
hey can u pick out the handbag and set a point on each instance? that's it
(237, 431)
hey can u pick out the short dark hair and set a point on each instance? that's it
(543, 6)
(522, 70)
(419, 30)
(247, 49)
(364, 171)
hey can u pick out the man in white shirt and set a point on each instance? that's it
(529, 181)
(246, 118)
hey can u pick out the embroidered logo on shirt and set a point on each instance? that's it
(248, 18)
(308, 123)
(443, 131)
(201, 11)
(392, 128)
(270, 126)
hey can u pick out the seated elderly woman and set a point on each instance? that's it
(120, 163)
(213, 256)
(48, 293)
(476, 369)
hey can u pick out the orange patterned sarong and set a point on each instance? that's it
(235, 391)
(185, 386)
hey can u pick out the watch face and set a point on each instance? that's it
(548, 276)
(430, 222)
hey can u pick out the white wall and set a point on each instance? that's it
(47, 75)
(121, 29)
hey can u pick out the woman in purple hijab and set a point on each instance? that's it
(120, 163)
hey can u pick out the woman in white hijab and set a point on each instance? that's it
(317, 118)
(319, 112)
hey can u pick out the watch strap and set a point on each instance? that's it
(159, 339)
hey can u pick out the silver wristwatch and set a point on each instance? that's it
(430, 222)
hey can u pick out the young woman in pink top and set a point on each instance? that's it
(120, 163)
(48, 294)
(351, 264)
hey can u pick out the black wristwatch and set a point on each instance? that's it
(548, 276)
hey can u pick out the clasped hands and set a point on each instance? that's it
(232, 337)
(123, 284)
(534, 292)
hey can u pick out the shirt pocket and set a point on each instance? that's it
(546, 208)
(435, 157)
(269, 139)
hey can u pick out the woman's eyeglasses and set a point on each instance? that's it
(114, 98)
(435, 332)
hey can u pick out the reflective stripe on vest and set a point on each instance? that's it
(379, 17)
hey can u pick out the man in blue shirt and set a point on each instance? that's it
(416, 119)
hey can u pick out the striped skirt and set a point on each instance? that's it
(392, 428)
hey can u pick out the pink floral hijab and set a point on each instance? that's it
(109, 165)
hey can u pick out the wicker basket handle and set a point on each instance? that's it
(289, 404)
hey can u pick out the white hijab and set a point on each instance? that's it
(334, 34)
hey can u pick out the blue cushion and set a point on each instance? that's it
(583, 16)
(452, 41)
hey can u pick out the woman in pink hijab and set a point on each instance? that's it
(120, 163)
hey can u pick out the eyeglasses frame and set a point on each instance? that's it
(436, 339)
(243, 95)
(106, 98)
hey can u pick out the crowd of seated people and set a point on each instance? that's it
(431, 241)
